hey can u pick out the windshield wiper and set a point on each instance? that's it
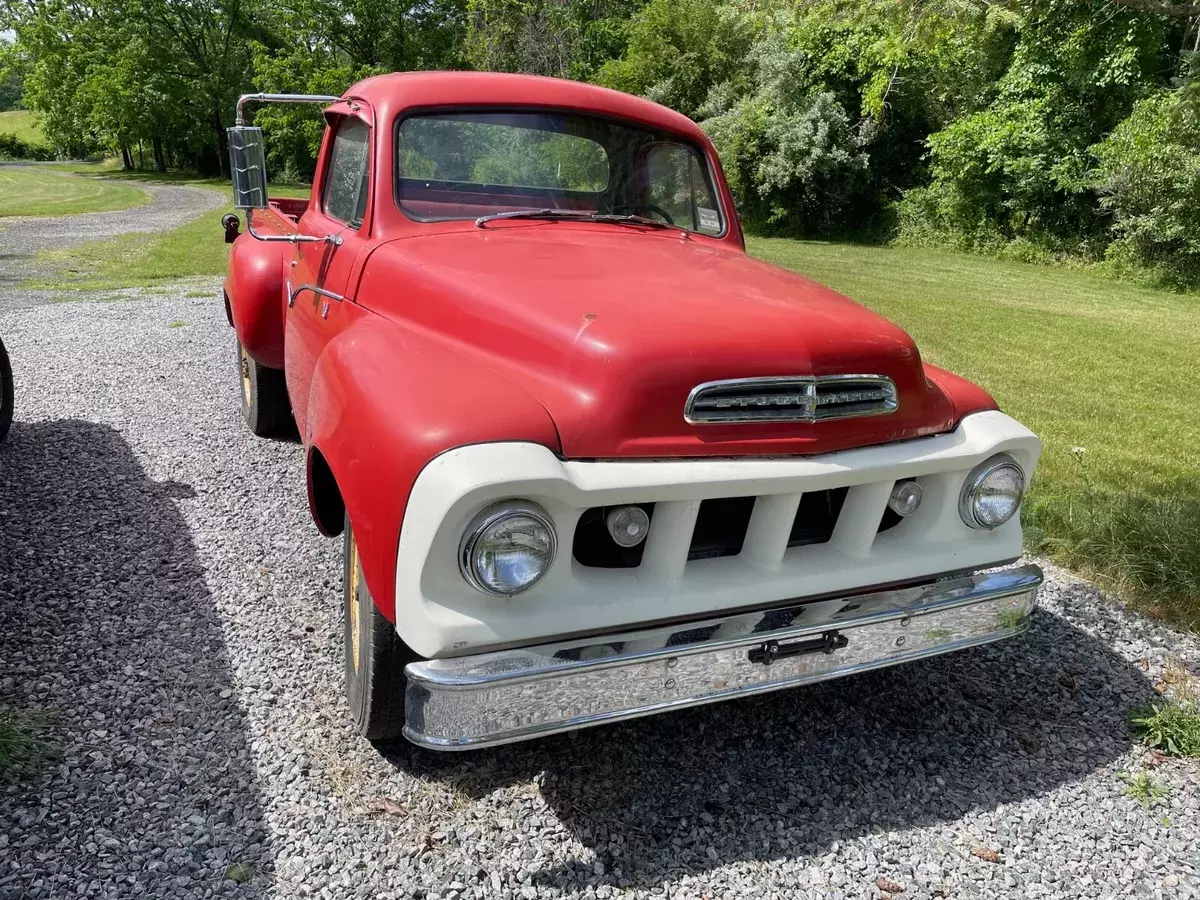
(576, 214)
(624, 219)
(533, 214)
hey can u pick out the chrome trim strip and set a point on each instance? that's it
(806, 385)
(512, 695)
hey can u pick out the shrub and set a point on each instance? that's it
(12, 147)
(1149, 178)
(793, 159)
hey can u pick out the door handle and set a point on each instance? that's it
(320, 292)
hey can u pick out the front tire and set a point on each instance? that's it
(375, 655)
(6, 392)
(265, 404)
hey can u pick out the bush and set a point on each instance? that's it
(1012, 171)
(1149, 179)
(12, 147)
(793, 159)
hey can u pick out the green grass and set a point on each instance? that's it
(1086, 363)
(42, 192)
(25, 744)
(21, 123)
(138, 260)
(1172, 726)
(1144, 789)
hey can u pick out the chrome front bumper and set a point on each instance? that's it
(512, 695)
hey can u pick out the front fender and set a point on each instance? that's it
(384, 402)
(966, 396)
(254, 286)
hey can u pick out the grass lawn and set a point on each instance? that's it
(1086, 363)
(141, 260)
(43, 192)
(21, 123)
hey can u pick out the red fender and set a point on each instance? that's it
(254, 286)
(967, 397)
(384, 402)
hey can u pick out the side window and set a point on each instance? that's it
(677, 182)
(345, 192)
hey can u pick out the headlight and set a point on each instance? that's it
(508, 547)
(992, 492)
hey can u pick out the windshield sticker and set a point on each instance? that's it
(710, 222)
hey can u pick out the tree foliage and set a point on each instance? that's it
(793, 156)
(1031, 126)
(1148, 174)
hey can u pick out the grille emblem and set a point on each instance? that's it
(792, 398)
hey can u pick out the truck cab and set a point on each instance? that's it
(588, 459)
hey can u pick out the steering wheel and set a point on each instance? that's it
(637, 208)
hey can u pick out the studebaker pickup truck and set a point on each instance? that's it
(589, 460)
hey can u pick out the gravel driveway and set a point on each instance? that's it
(162, 589)
(21, 237)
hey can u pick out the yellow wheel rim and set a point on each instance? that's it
(355, 611)
(245, 374)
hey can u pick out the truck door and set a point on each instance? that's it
(319, 278)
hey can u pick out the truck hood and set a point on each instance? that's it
(610, 328)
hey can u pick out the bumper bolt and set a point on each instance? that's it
(900, 641)
(672, 663)
(669, 683)
(906, 621)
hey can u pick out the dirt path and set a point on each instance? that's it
(21, 237)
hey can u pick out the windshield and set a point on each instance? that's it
(467, 165)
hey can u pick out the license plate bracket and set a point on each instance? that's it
(769, 651)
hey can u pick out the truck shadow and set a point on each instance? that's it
(787, 774)
(106, 623)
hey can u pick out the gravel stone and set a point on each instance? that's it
(163, 591)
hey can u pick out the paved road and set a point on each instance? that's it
(162, 589)
(22, 236)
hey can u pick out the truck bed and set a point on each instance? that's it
(290, 207)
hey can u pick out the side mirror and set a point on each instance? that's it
(248, 167)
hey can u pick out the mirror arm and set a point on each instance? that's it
(334, 239)
(279, 98)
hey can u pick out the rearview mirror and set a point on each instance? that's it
(248, 167)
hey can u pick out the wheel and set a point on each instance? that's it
(265, 404)
(6, 392)
(375, 655)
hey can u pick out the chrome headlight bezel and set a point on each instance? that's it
(487, 519)
(975, 480)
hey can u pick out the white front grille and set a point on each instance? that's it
(439, 613)
(790, 398)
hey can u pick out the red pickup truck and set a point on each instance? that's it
(589, 460)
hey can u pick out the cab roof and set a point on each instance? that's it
(391, 94)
